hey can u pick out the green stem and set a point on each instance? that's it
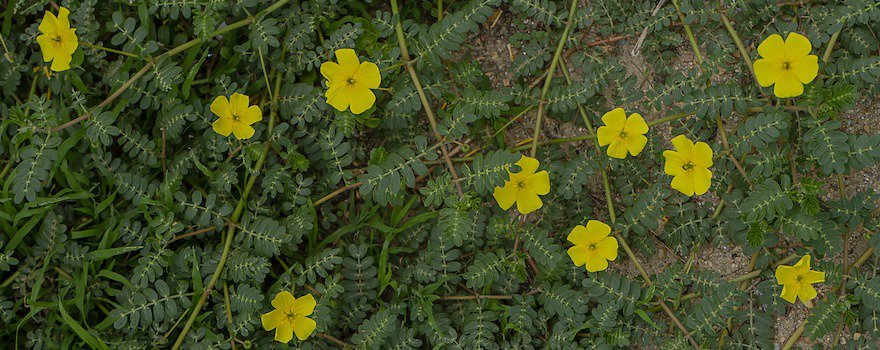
(404, 52)
(740, 46)
(102, 48)
(690, 34)
(547, 81)
(830, 47)
(239, 208)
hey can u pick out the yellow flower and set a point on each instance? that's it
(689, 165)
(593, 246)
(787, 64)
(797, 280)
(289, 317)
(236, 116)
(349, 82)
(58, 41)
(622, 134)
(524, 187)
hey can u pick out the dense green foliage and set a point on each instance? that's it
(128, 223)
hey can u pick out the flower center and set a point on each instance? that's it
(622, 134)
(236, 118)
(592, 247)
(520, 184)
(350, 81)
(799, 278)
(786, 65)
(290, 316)
(688, 166)
(56, 38)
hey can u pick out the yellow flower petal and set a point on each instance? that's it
(283, 300)
(362, 99)
(284, 332)
(684, 146)
(814, 277)
(348, 60)
(806, 68)
(605, 135)
(239, 103)
(49, 24)
(797, 45)
(787, 85)
(221, 108)
(597, 230)
(789, 294)
(635, 124)
(607, 248)
(61, 62)
(339, 97)
(702, 154)
(804, 262)
(596, 263)
(273, 319)
(332, 71)
(578, 235)
(636, 143)
(578, 255)
(684, 183)
(767, 71)
(304, 305)
(773, 47)
(303, 327)
(63, 22)
(46, 47)
(528, 202)
(615, 119)
(252, 115)
(784, 274)
(242, 132)
(505, 196)
(806, 293)
(617, 149)
(69, 41)
(539, 183)
(368, 75)
(527, 165)
(674, 163)
(223, 126)
(702, 180)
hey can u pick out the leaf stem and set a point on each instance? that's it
(549, 79)
(830, 47)
(102, 48)
(401, 41)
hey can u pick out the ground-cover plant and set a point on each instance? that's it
(359, 174)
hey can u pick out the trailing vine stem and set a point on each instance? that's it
(239, 208)
(404, 52)
(549, 79)
(609, 202)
